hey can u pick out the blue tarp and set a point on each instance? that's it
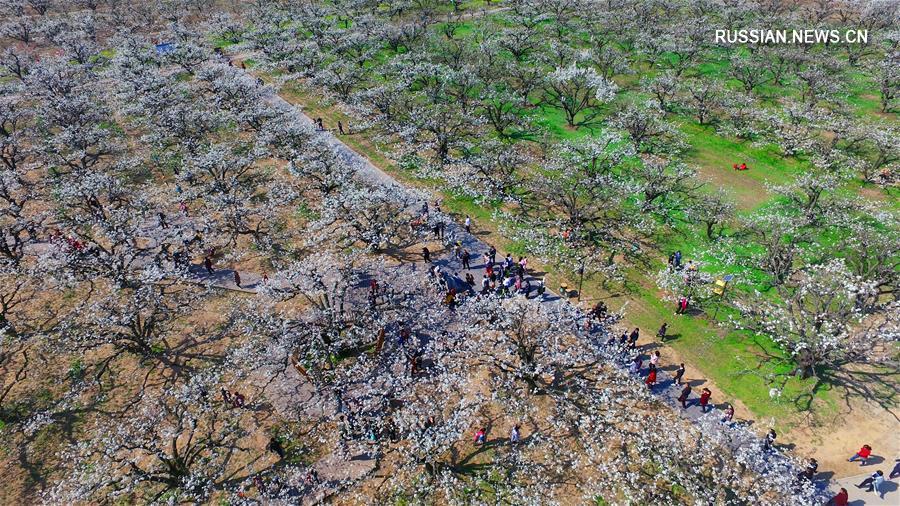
(165, 47)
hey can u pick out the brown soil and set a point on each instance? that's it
(832, 445)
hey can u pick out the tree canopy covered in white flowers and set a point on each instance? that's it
(206, 298)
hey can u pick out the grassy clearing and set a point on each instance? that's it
(714, 156)
(734, 361)
(731, 360)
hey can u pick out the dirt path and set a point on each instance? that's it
(860, 496)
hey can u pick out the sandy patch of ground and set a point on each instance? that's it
(833, 444)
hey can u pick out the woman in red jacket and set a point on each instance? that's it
(862, 454)
(705, 394)
(651, 376)
(840, 499)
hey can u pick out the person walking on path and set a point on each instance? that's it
(492, 253)
(841, 499)
(769, 441)
(705, 394)
(468, 224)
(810, 471)
(426, 255)
(635, 366)
(862, 454)
(651, 377)
(514, 434)
(679, 373)
(340, 127)
(685, 394)
(654, 358)
(465, 259)
(633, 338)
(661, 333)
(237, 279)
(207, 262)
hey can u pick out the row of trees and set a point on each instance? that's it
(174, 439)
(536, 54)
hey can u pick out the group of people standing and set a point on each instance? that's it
(508, 277)
(651, 378)
(480, 438)
(690, 271)
(627, 344)
(504, 278)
